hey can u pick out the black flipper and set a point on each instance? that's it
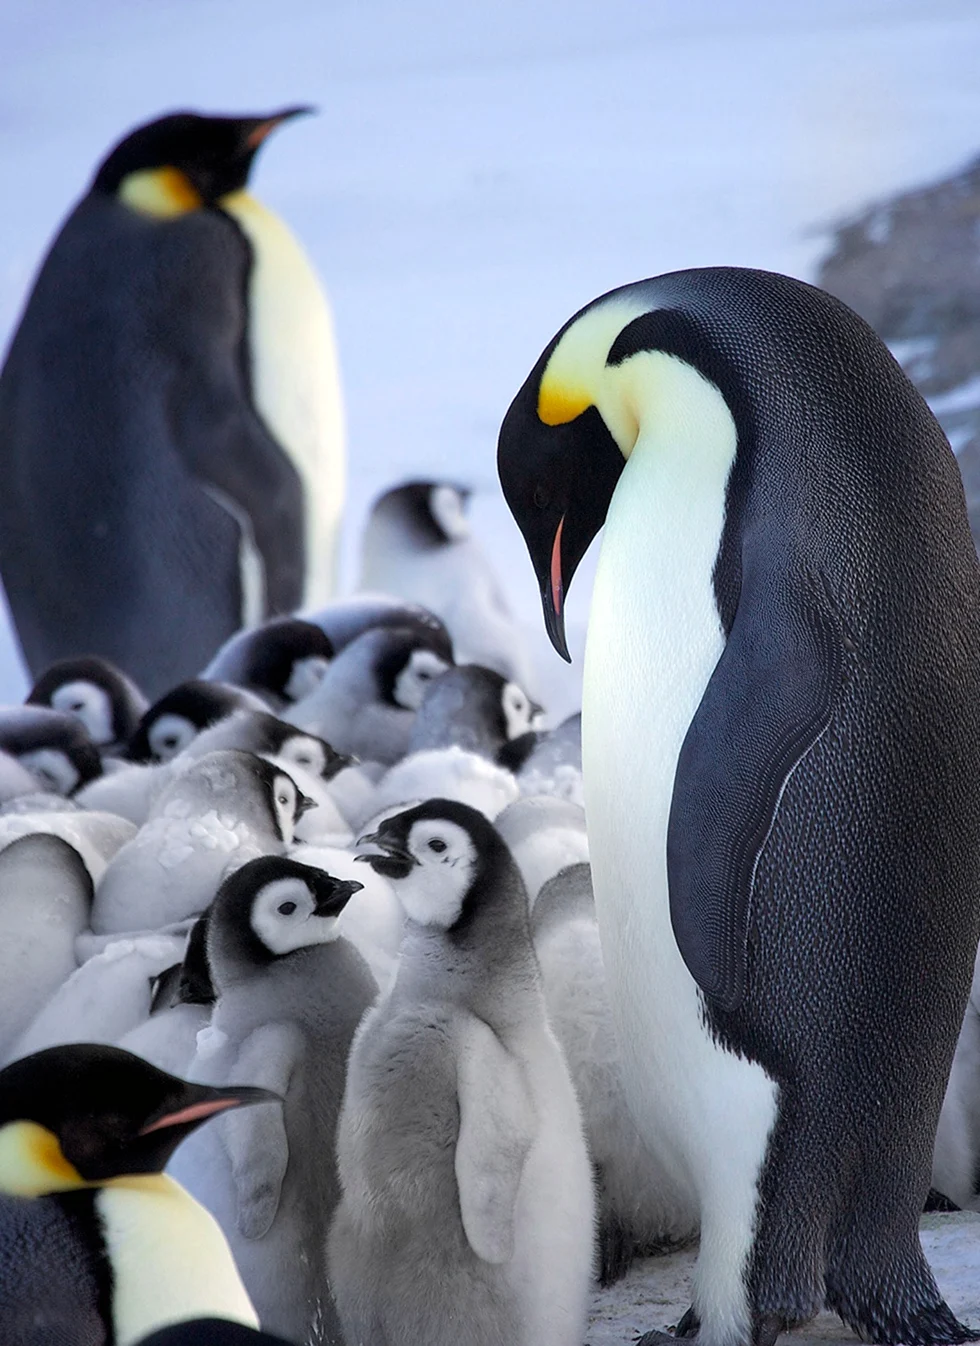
(769, 699)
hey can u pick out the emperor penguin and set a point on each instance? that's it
(175, 719)
(475, 708)
(781, 724)
(418, 544)
(216, 813)
(97, 1245)
(367, 699)
(289, 995)
(171, 400)
(108, 703)
(53, 745)
(282, 660)
(467, 1209)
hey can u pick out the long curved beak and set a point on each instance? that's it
(553, 597)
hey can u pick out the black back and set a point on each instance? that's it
(125, 394)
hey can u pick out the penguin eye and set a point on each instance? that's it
(283, 799)
(437, 845)
(286, 908)
(541, 497)
(170, 741)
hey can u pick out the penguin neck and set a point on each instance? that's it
(487, 966)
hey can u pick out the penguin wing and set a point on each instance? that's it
(769, 699)
(497, 1124)
(255, 1138)
(225, 445)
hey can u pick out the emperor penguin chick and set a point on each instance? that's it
(366, 701)
(467, 1210)
(290, 994)
(225, 808)
(105, 1247)
(418, 544)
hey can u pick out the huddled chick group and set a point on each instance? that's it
(341, 877)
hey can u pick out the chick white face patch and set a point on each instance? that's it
(432, 892)
(412, 683)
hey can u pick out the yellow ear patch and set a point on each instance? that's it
(557, 405)
(163, 192)
(31, 1162)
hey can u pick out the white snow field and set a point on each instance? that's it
(478, 172)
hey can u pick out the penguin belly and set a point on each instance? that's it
(653, 642)
(295, 379)
(170, 1260)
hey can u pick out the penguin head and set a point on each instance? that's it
(185, 161)
(86, 1114)
(174, 721)
(272, 906)
(285, 657)
(345, 619)
(425, 514)
(259, 732)
(108, 703)
(637, 358)
(286, 799)
(438, 855)
(520, 713)
(53, 745)
(406, 662)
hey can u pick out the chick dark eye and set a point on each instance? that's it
(283, 800)
(286, 908)
(541, 497)
(170, 741)
(436, 845)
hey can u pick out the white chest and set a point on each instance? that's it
(654, 640)
(169, 1258)
(296, 381)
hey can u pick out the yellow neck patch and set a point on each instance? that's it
(161, 192)
(559, 404)
(31, 1162)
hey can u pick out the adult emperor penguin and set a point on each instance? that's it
(781, 724)
(290, 994)
(170, 416)
(96, 1244)
(467, 1205)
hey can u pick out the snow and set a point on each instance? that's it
(480, 172)
(657, 1291)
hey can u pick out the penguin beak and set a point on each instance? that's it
(332, 904)
(303, 805)
(553, 597)
(395, 860)
(197, 1110)
(265, 128)
(338, 763)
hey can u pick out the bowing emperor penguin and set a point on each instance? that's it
(171, 438)
(781, 723)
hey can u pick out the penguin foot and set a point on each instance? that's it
(688, 1325)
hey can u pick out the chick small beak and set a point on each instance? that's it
(303, 805)
(343, 891)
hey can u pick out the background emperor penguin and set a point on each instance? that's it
(171, 436)
(781, 725)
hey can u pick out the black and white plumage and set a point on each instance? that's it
(366, 702)
(418, 544)
(211, 1332)
(474, 708)
(290, 991)
(467, 1203)
(53, 745)
(96, 1259)
(108, 703)
(171, 399)
(173, 721)
(781, 721)
(281, 660)
(215, 813)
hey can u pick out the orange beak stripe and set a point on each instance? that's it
(556, 582)
(193, 1113)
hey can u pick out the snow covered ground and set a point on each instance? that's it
(478, 172)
